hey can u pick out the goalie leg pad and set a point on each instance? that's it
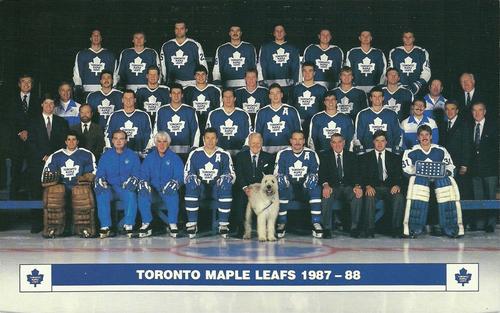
(450, 211)
(417, 205)
(82, 200)
(54, 213)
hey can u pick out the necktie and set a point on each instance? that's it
(340, 171)
(254, 164)
(449, 124)
(468, 99)
(25, 103)
(49, 126)
(380, 167)
(85, 128)
(477, 134)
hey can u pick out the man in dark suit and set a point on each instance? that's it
(468, 95)
(484, 164)
(91, 135)
(47, 133)
(22, 108)
(251, 165)
(382, 178)
(339, 175)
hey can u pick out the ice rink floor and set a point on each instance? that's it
(17, 247)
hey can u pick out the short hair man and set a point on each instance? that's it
(397, 97)
(153, 96)
(251, 97)
(106, 100)
(417, 118)
(91, 134)
(434, 100)
(67, 108)
(350, 99)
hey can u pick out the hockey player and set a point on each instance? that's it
(134, 122)
(251, 97)
(397, 97)
(180, 122)
(372, 119)
(327, 58)
(89, 63)
(67, 108)
(153, 96)
(67, 176)
(233, 125)
(367, 63)
(350, 99)
(277, 121)
(232, 59)
(106, 100)
(161, 177)
(328, 122)
(117, 179)
(209, 173)
(434, 100)
(430, 165)
(134, 62)
(417, 118)
(203, 97)
(297, 173)
(279, 61)
(412, 62)
(307, 97)
(180, 56)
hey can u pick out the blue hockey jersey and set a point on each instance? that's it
(350, 101)
(369, 121)
(432, 107)
(133, 65)
(137, 125)
(413, 66)
(409, 128)
(398, 101)
(277, 126)
(296, 165)
(70, 111)
(208, 168)
(115, 168)
(308, 100)
(232, 128)
(368, 68)
(181, 125)
(71, 164)
(158, 170)
(279, 64)
(104, 105)
(328, 63)
(178, 61)
(251, 102)
(88, 67)
(203, 101)
(323, 126)
(150, 100)
(435, 154)
(231, 64)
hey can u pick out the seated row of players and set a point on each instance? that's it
(277, 61)
(208, 173)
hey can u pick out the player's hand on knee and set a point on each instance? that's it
(171, 187)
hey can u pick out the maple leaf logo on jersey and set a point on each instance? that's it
(237, 61)
(408, 66)
(175, 125)
(105, 108)
(228, 129)
(345, 106)
(137, 66)
(393, 105)
(366, 67)
(251, 106)
(331, 129)
(129, 128)
(179, 59)
(201, 104)
(276, 125)
(96, 66)
(323, 63)
(208, 173)
(69, 170)
(307, 100)
(281, 57)
(152, 105)
(377, 125)
(298, 170)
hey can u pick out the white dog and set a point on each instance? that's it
(264, 201)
